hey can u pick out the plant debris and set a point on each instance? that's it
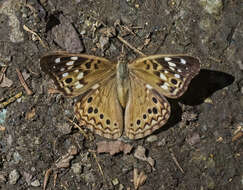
(140, 154)
(63, 162)
(113, 147)
(138, 178)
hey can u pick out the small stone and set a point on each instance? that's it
(152, 138)
(115, 181)
(10, 140)
(121, 187)
(212, 6)
(239, 62)
(162, 142)
(13, 177)
(35, 183)
(3, 114)
(104, 42)
(3, 178)
(28, 177)
(208, 100)
(17, 157)
(77, 168)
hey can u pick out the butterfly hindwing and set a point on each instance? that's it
(74, 74)
(146, 110)
(170, 75)
(100, 110)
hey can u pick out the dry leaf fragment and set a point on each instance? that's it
(6, 82)
(140, 154)
(113, 147)
(63, 162)
(30, 114)
(138, 179)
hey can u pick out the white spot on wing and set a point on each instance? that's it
(166, 72)
(78, 85)
(167, 59)
(57, 60)
(183, 61)
(177, 76)
(162, 76)
(76, 71)
(171, 64)
(179, 70)
(172, 68)
(70, 63)
(95, 86)
(165, 86)
(148, 86)
(74, 58)
(80, 75)
(65, 74)
(62, 69)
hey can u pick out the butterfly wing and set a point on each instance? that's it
(100, 110)
(75, 74)
(146, 110)
(170, 75)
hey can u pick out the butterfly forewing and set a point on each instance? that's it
(74, 74)
(170, 75)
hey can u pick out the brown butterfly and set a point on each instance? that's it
(124, 96)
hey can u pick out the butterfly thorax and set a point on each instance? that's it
(122, 82)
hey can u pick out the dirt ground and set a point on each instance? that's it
(199, 148)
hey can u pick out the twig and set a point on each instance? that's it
(130, 46)
(175, 160)
(3, 70)
(23, 83)
(99, 166)
(237, 136)
(34, 33)
(80, 129)
(10, 100)
(46, 177)
(122, 40)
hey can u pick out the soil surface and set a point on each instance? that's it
(199, 148)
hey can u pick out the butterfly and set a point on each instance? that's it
(124, 97)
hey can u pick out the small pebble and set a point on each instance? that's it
(35, 183)
(17, 157)
(77, 168)
(212, 6)
(152, 138)
(104, 42)
(13, 177)
(162, 142)
(115, 181)
(121, 187)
